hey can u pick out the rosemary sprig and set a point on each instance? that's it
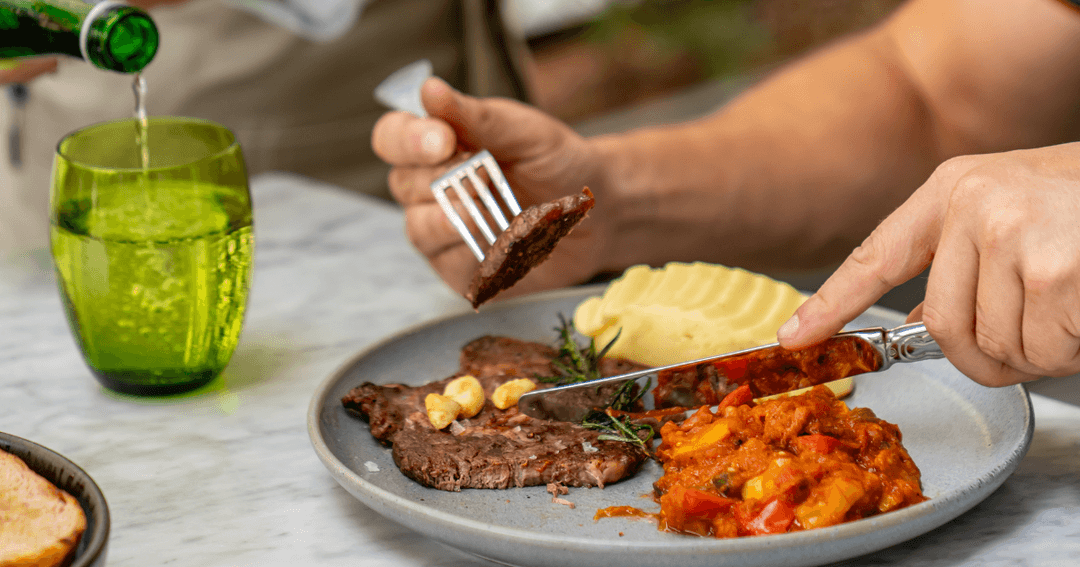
(574, 364)
(619, 429)
(623, 399)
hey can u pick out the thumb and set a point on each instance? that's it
(916, 314)
(900, 248)
(507, 128)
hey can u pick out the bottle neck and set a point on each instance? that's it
(118, 37)
(29, 28)
(110, 34)
(97, 13)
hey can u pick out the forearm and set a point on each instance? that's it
(798, 170)
(781, 175)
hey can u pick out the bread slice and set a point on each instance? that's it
(40, 525)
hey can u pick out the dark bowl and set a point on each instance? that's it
(68, 476)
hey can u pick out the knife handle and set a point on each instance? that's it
(910, 343)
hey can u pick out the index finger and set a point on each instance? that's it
(900, 248)
(404, 139)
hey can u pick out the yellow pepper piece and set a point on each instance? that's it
(753, 490)
(715, 433)
(833, 498)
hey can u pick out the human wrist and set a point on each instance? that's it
(615, 175)
(669, 193)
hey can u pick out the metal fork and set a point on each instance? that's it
(401, 91)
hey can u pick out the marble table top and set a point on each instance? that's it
(227, 476)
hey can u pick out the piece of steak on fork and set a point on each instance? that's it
(527, 242)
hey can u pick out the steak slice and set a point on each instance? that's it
(496, 448)
(526, 243)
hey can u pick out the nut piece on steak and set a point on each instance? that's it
(496, 448)
(526, 243)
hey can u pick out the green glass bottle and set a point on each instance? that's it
(110, 35)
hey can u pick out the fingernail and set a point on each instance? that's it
(788, 330)
(431, 143)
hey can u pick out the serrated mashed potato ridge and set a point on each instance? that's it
(686, 311)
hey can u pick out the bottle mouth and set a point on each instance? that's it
(119, 37)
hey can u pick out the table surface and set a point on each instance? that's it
(227, 476)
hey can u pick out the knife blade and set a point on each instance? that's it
(767, 370)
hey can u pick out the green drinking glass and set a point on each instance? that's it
(151, 232)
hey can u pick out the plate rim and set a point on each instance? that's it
(896, 520)
(93, 551)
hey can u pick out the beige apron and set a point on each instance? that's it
(295, 105)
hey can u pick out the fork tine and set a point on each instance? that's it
(454, 179)
(470, 206)
(455, 220)
(487, 198)
(499, 180)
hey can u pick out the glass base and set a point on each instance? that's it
(136, 383)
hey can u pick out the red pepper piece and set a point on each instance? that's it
(734, 369)
(775, 518)
(817, 443)
(740, 396)
(702, 504)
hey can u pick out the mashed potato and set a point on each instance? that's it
(684, 312)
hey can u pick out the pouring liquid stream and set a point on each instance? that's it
(141, 121)
(142, 142)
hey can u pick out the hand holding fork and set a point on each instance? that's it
(541, 158)
(401, 91)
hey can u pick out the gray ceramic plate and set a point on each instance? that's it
(967, 440)
(65, 474)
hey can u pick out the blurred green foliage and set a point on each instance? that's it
(723, 36)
